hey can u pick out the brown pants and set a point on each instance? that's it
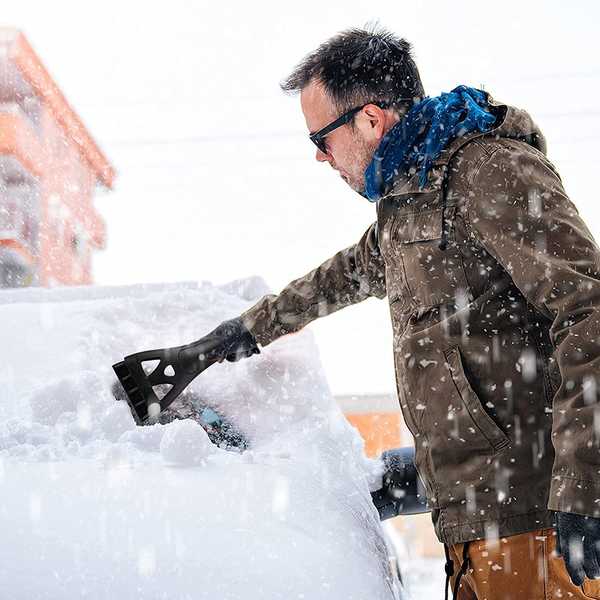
(519, 567)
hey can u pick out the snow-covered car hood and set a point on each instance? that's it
(93, 506)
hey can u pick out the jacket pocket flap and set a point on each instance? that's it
(486, 425)
(418, 227)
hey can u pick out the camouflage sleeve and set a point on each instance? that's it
(348, 277)
(522, 215)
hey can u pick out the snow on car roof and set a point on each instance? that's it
(94, 506)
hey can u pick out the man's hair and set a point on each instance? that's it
(358, 66)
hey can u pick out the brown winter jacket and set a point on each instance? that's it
(496, 332)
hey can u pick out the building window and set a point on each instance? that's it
(79, 242)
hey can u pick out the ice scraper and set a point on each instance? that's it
(154, 378)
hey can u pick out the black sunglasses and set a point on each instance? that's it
(318, 137)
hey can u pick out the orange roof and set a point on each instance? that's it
(33, 71)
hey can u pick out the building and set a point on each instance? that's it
(378, 419)
(50, 167)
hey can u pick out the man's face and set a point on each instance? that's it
(350, 147)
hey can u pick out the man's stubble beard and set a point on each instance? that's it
(364, 155)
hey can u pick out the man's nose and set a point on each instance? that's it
(321, 156)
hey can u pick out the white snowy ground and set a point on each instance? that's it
(92, 506)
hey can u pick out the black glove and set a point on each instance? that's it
(402, 492)
(229, 341)
(578, 541)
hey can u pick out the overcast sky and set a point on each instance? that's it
(216, 178)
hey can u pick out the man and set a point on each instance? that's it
(493, 283)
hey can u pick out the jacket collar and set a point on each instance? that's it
(513, 123)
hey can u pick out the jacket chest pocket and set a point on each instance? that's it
(432, 276)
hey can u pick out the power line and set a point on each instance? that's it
(174, 102)
(204, 139)
(211, 139)
(575, 113)
(560, 76)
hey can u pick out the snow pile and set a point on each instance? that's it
(186, 443)
(93, 506)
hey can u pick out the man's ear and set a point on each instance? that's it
(375, 120)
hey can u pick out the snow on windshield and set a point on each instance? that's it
(262, 493)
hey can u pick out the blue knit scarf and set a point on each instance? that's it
(421, 136)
